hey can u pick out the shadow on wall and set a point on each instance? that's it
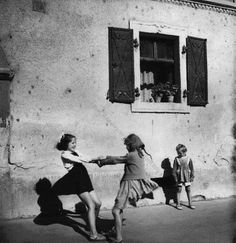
(233, 167)
(52, 211)
(234, 151)
(167, 182)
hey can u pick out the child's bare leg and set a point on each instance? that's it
(96, 201)
(121, 216)
(87, 200)
(118, 222)
(189, 195)
(179, 189)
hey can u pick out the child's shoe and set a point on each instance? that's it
(179, 207)
(192, 207)
(98, 237)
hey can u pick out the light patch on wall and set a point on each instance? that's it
(39, 6)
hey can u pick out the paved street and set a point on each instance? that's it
(211, 222)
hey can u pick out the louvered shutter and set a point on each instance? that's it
(121, 65)
(197, 72)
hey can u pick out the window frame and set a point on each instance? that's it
(165, 29)
(156, 37)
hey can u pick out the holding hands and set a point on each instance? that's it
(98, 161)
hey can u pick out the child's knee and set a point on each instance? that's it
(115, 211)
(91, 205)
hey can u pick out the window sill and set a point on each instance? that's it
(144, 107)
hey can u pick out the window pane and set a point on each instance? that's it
(146, 48)
(165, 49)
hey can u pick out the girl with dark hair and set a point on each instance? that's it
(77, 181)
(134, 184)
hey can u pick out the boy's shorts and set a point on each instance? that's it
(184, 184)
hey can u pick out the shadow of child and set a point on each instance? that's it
(167, 182)
(52, 211)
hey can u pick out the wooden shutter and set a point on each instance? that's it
(121, 65)
(197, 72)
(4, 101)
(6, 76)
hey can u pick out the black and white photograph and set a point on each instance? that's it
(118, 121)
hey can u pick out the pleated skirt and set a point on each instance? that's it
(133, 190)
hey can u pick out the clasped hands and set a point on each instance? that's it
(98, 161)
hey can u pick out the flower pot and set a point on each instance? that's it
(171, 98)
(158, 99)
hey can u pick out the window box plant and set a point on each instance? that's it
(164, 89)
(158, 91)
(170, 91)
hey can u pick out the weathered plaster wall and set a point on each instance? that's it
(61, 82)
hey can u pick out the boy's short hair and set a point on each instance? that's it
(182, 147)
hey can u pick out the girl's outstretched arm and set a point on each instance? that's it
(113, 160)
(68, 157)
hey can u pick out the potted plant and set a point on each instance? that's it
(170, 91)
(158, 91)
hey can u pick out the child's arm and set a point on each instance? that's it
(113, 160)
(69, 157)
(191, 170)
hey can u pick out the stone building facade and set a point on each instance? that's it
(77, 67)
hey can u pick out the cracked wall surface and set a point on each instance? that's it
(60, 59)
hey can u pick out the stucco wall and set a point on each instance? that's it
(60, 60)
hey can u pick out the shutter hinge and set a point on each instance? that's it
(136, 92)
(185, 93)
(135, 43)
(184, 49)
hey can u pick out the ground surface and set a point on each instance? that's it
(210, 222)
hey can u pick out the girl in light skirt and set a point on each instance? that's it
(134, 184)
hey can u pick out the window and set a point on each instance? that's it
(150, 57)
(159, 68)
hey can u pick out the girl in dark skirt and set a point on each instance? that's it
(77, 181)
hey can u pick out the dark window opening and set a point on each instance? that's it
(159, 66)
